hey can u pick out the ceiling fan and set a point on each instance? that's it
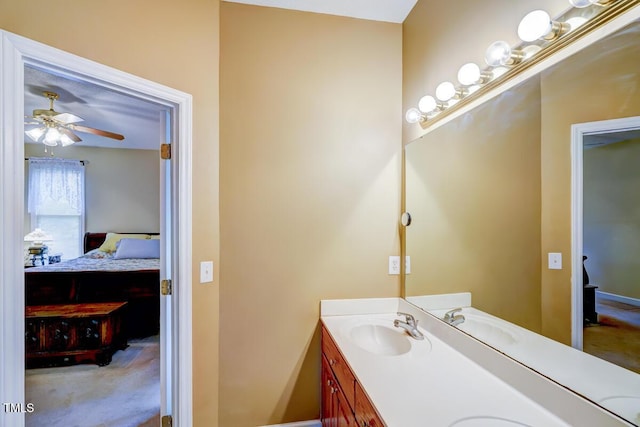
(58, 128)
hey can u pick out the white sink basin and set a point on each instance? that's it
(489, 330)
(627, 406)
(486, 421)
(381, 339)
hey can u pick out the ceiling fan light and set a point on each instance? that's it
(35, 134)
(52, 137)
(65, 140)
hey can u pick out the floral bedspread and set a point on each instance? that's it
(96, 260)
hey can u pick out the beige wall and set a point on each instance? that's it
(122, 187)
(612, 217)
(310, 194)
(440, 36)
(176, 44)
(473, 191)
(599, 84)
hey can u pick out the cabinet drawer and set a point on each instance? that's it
(366, 415)
(340, 368)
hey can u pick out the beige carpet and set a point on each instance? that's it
(616, 337)
(125, 393)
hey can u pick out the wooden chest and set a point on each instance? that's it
(65, 334)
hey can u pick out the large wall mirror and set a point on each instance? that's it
(490, 196)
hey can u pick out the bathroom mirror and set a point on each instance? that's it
(489, 194)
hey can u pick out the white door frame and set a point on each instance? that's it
(578, 132)
(15, 53)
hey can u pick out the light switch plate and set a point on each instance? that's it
(555, 261)
(206, 271)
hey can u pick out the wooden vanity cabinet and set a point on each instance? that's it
(366, 415)
(344, 402)
(336, 411)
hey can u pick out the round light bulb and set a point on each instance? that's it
(413, 115)
(469, 74)
(535, 25)
(582, 3)
(499, 53)
(445, 91)
(427, 104)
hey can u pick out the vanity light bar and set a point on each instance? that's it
(536, 30)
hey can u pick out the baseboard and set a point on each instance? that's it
(314, 423)
(618, 298)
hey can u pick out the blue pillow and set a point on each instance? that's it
(138, 248)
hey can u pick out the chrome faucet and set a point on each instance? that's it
(410, 325)
(452, 318)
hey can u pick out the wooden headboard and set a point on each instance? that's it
(94, 240)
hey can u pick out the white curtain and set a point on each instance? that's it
(56, 203)
(56, 187)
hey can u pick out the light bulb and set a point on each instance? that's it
(500, 53)
(51, 138)
(65, 140)
(580, 3)
(413, 115)
(427, 104)
(535, 25)
(469, 74)
(445, 91)
(35, 134)
(587, 3)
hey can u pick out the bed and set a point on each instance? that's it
(99, 276)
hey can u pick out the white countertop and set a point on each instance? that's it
(600, 381)
(610, 386)
(434, 383)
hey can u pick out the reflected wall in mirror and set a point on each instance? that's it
(490, 197)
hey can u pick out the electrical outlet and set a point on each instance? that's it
(394, 264)
(407, 264)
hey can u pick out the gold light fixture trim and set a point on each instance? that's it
(528, 54)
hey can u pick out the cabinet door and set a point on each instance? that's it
(329, 396)
(339, 366)
(344, 413)
(366, 415)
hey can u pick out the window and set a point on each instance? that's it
(56, 203)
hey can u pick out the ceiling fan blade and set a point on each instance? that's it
(72, 136)
(67, 118)
(94, 131)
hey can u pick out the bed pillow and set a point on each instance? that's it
(138, 248)
(110, 241)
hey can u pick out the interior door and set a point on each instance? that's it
(166, 270)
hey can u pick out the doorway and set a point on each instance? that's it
(175, 349)
(606, 307)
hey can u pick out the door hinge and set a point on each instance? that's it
(167, 421)
(166, 287)
(165, 151)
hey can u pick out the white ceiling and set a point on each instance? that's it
(375, 10)
(137, 119)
